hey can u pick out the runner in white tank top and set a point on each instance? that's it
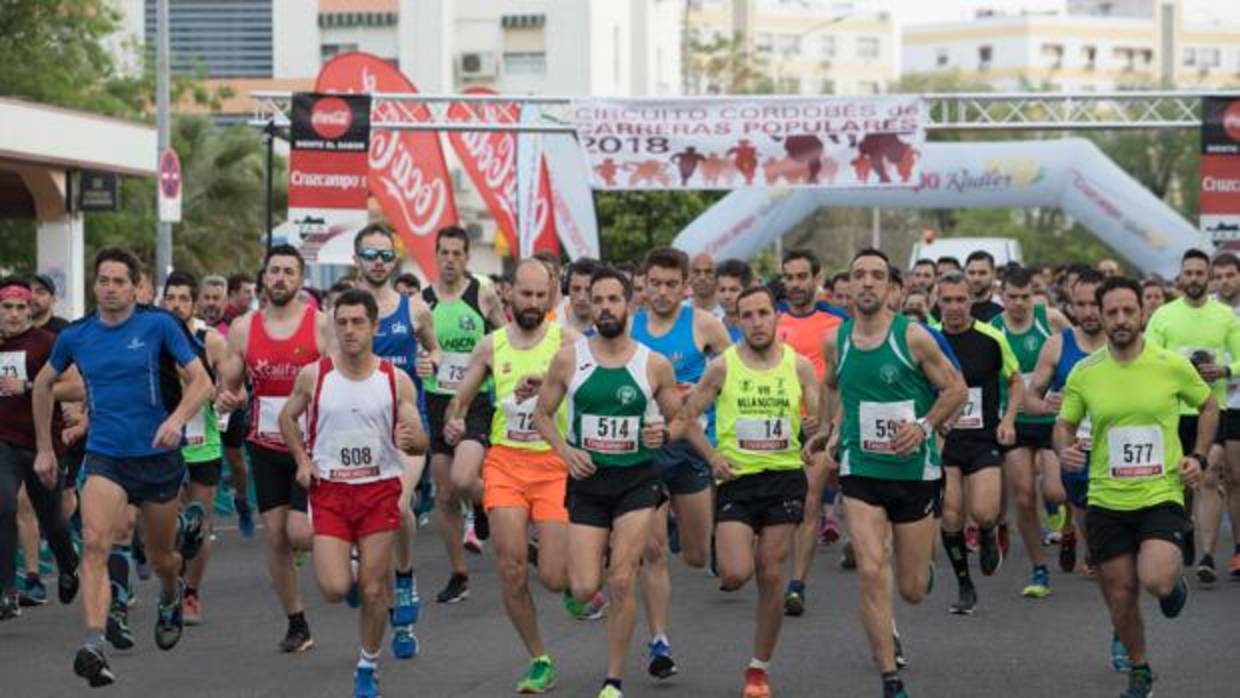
(362, 413)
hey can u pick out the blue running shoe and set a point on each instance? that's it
(245, 517)
(407, 602)
(170, 621)
(1039, 584)
(1140, 683)
(365, 683)
(34, 592)
(191, 531)
(404, 642)
(662, 666)
(1120, 663)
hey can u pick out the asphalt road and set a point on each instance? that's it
(1012, 647)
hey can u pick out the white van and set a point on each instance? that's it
(1004, 250)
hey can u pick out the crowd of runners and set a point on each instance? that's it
(592, 423)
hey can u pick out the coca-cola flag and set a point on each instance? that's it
(544, 213)
(1220, 171)
(328, 162)
(490, 157)
(408, 174)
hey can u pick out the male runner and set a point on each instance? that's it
(23, 351)
(979, 269)
(733, 277)
(971, 452)
(1132, 392)
(240, 296)
(1027, 327)
(686, 337)
(212, 301)
(405, 333)
(703, 284)
(1226, 271)
(639, 288)
(361, 414)
(884, 373)
(523, 479)
(619, 395)
(760, 388)
(464, 311)
(578, 315)
(42, 301)
(203, 450)
(1207, 333)
(125, 354)
(803, 322)
(268, 347)
(922, 276)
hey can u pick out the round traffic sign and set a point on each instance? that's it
(170, 174)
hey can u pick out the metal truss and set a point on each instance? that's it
(982, 111)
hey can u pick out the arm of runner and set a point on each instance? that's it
(430, 354)
(41, 409)
(828, 401)
(1233, 348)
(475, 374)
(69, 387)
(666, 395)
(685, 424)
(554, 388)
(1037, 400)
(711, 335)
(492, 307)
(811, 402)
(324, 333)
(1058, 321)
(1071, 413)
(232, 369)
(290, 429)
(945, 378)
(1005, 432)
(1155, 330)
(410, 436)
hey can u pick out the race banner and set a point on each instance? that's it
(1220, 171)
(739, 142)
(327, 171)
(490, 157)
(576, 223)
(408, 174)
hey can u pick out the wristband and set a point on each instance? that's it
(1201, 460)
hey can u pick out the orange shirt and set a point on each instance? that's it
(805, 333)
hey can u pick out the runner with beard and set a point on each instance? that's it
(268, 347)
(620, 396)
(523, 479)
(1226, 271)
(406, 339)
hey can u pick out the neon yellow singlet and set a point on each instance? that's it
(513, 423)
(758, 417)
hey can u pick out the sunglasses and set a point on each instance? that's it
(371, 254)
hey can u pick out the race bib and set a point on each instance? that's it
(1026, 378)
(451, 371)
(13, 365)
(767, 435)
(1085, 434)
(971, 414)
(269, 418)
(223, 420)
(1135, 453)
(610, 435)
(519, 421)
(196, 430)
(879, 422)
(354, 455)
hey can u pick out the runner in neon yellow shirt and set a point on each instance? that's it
(1131, 391)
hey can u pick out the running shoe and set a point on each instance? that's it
(1189, 548)
(989, 555)
(610, 691)
(662, 666)
(1173, 604)
(1235, 566)
(966, 603)
(794, 604)
(482, 525)
(297, 639)
(1039, 584)
(471, 540)
(456, 591)
(170, 621)
(901, 660)
(245, 517)
(1005, 540)
(1067, 552)
(1140, 683)
(34, 593)
(192, 610)
(92, 665)
(1206, 573)
(848, 558)
(191, 531)
(756, 684)
(594, 609)
(10, 607)
(1120, 663)
(404, 642)
(117, 629)
(1056, 521)
(830, 531)
(365, 683)
(971, 534)
(894, 689)
(67, 583)
(539, 678)
(300, 558)
(407, 602)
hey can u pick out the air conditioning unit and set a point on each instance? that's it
(476, 65)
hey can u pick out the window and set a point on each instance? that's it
(867, 48)
(867, 87)
(1209, 57)
(1190, 56)
(941, 56)
(789, 86)
(827, 43)
(828, 87)
(225, 38)
(1125, 57)
(788, 44)
(529, 63)
(1052, 54)
(329, 51)
(765, 43)
(985, 54)
(1089, 55)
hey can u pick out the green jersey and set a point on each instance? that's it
(1134, 409)
(607, 408)
(758, 415)
(1027, 346)
(1211, 332)
(202, 437)
(459, 326)
(880, 388)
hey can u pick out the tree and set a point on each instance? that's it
(724, 65)
(631, 223)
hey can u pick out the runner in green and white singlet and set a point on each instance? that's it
(1027, 327)
(885, 372)
(620, 396)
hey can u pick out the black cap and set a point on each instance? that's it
(45, 281)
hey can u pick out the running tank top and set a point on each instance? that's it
(677, 345)
(512, 425)
(397, 341)
(880, 388)
(759, 415)
(459, 326)
(1070, 354)
(353, 425)
(202, 431)
(804, 333)
(1026, 346)
(607, 408)
(272, 366)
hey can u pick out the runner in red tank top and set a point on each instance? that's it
(270, 346)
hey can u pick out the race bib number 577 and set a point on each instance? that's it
(1135, 453)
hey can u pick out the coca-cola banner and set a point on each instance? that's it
(408, 174)
(328, 162)
(736, 142)
(1220, 171)
(490, 157)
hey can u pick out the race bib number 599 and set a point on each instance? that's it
(879, 423)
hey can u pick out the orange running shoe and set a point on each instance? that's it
(756, 685)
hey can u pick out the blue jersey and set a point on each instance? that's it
(676, 346)
(1069, 355)
(130, 375)
(735, 334)
(397, 341)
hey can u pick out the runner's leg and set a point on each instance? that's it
(655, 577)
(631, 532)
(870, 528)
(1019, 470)
(374, 581)
(451, 524)
(105, 512)
(509, 533)
(774, 546)
(1119, 583)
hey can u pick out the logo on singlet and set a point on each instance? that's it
(506, 368)
(467, 324)
(626, 394)
(399, 327)
(1031, 343)
(889, 374)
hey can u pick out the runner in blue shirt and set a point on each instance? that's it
(128, 357)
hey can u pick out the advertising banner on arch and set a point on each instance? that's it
(1220, 171)
(327, 166)
(737, 142)
(490, 157)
